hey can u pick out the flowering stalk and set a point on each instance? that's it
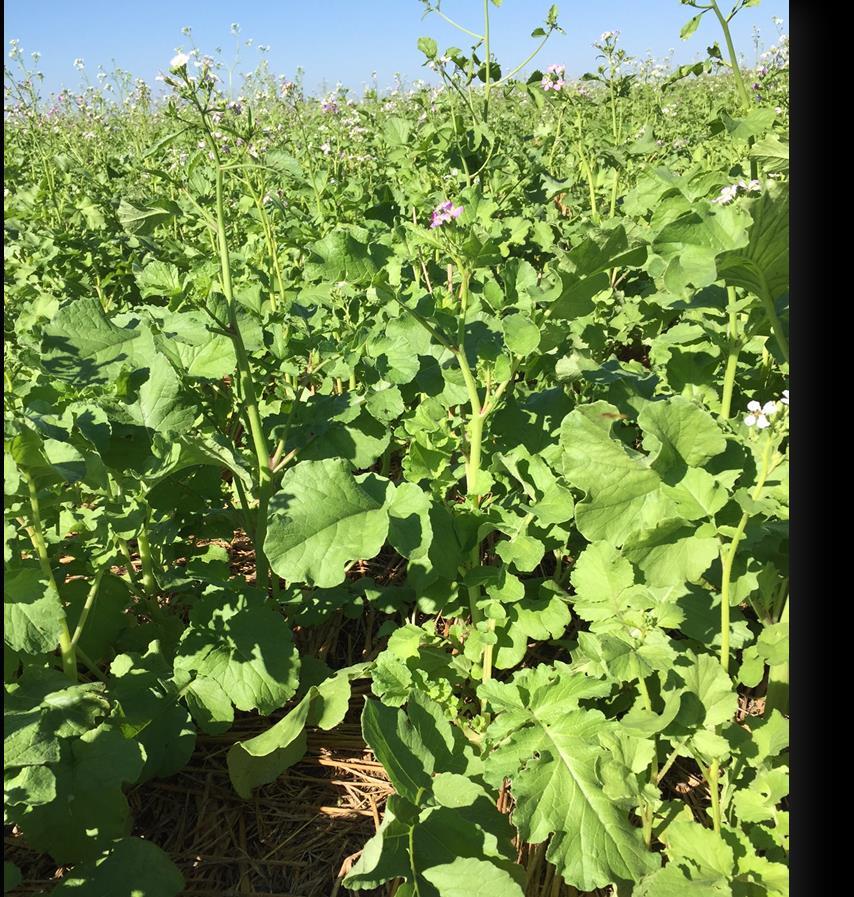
(739, 78)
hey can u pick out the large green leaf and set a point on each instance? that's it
(89, 810)
(321, 519)
(33, 617)
(549, 748)
(441, 831)
(762, 266)
(265, 757)
(82, 346)
(242, 644)
(627, 491)
(131, 867)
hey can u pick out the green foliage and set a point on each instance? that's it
(506, 460)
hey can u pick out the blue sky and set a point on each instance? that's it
(347, 40)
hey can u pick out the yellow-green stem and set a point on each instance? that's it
(729, 560)
(247, 387)
(88, 605)
(733, 349)
(149, 582)
(777, 695)
(36, 533)
(713, 776)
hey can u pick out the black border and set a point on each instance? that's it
(812, 177)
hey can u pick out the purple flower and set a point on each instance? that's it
(330, 106)
(445, 212)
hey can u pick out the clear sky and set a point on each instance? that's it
(347, 40)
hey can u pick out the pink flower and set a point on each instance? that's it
(445, 212)
(554, 77)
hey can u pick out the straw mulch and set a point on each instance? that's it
(296, 837)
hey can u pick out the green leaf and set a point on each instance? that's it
(691, 26)
(11, 876)
(762, 266)
(399, 748)
(159, 279)
(263, 759)
(149, 712)
(142, 221)
(628, 492)
(242, 644)
(521, 334)
(548, 746)
(428, 47)
(81, 346)
(471, 877)
(132, 867)
(90, 809)
(33, 616)
(209, 706)
(321, 519)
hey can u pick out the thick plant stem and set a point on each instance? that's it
(149, 583)
(741, 87)
(729, 560)
(488, 83)
(734, 347)
(247, 388)
(88, 605)
(777, 695)
(776, 324)
(475, 441)
(36, 533)
(713, 777)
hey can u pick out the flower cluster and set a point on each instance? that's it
(729, 193)
(445, 212)
(760, 415)
(554, 78)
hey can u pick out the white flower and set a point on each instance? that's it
(179, 61)
(79, 64)
(635, 632)
(759, 414)
(785, 399)
(235, 28)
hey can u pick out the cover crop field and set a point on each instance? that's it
(428, 447)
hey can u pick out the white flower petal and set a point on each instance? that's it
(769, 408)
(753, 406)
(763, 422)
(750, 420)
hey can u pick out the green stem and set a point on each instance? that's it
(713, 777)
(149, 583)
(36, 533)
(88, 605)
(488, 82)
(247, 386)
(733, 58)
(475, 441)
(776, 324)
(729, 560)
(777, 695)
(734, 347)
(671, 759)
(744, 96)
(613, 208)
